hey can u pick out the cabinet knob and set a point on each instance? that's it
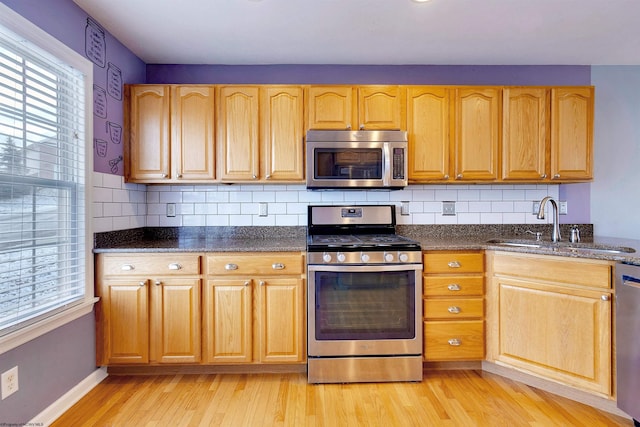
(454, 309)
(349, 126)
(277, 266)
(543, 176)
(127, 267)
(231, 266)
(556, 176)
(454, 264)
(158, 283)
(453, 287)
(459, 176)
(254, 177)
(605, 298)
(455, 342)
(268, 177)
(142, 283)
(361, 127)
(262, 283)
(246, 283)
(445, 177)
(179, 175)
(164, 175)
(175, 266)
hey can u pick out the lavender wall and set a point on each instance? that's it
(52, 364)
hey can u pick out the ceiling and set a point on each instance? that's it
(385, 32)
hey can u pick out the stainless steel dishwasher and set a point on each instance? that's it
(628, 339)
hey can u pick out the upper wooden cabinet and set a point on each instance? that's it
(525, 134)
(171, 134)
(428, 128)
(347, 107)
(260, 133)
(572, 133)
(477, 133)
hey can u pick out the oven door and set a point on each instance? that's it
(364, 310)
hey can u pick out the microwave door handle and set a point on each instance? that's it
(386, 162)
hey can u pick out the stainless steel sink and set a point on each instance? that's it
(562, 246)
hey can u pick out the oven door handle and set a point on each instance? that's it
(365, 268)
(386, 160)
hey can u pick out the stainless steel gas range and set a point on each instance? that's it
(364, 297)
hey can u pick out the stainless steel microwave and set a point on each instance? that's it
(364, 159)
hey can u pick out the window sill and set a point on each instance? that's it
(29, 333)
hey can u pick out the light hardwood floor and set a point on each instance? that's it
(444, 398)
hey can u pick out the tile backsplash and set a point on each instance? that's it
(119, 206)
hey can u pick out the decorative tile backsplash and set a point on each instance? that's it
(119, 206)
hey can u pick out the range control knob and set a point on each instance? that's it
(404, 257)
(364, 257)
(326, 257)
(388, 257)
(341, 257)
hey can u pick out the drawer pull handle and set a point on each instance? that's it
(454, 309)
(454, 287)
(278, 266)
(127, 267)
(231, 267)
(175, 266)
(454, 264)
(455, 342)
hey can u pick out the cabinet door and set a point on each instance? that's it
(282, 121)
(175, 321)
(380, 107)
(572, 133)
(228, 321)
(428, 128)
(525, 134)
(147, 150)
(330, 107)
(192, 126)
(477, 136)
(238, 133)
(125, 321)
(562, 334)
(281, 320)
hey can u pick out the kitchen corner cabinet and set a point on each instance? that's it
(453, 301)
(260, 133)
(572, 133)
(254, 308)
(149, 309)
(368, 107)
(428, 128)
(477, 133)
(170, 134)
(552, 317)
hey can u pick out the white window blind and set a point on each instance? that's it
(42, 184)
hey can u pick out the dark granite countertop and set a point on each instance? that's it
(431, 237)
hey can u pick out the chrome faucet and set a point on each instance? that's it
(555, 234)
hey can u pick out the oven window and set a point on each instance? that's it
(347, 163)
(365, 305)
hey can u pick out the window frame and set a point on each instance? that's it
(21, 26)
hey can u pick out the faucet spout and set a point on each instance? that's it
(555, 234)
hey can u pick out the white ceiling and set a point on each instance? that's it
(455, 32)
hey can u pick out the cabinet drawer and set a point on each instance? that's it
(572, 271)
(463, 340)
(453, 285)
(151, 264)
(451, 262)
(453, 308)
(252, 264)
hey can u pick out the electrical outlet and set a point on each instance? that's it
(9, 382)
(448, 208)
(404, 208)
(535, 208)
(562, 208)
(263, 209)
(171, 209)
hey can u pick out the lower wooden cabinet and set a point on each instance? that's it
(144, 318)
(453, 305)
(254, 308)
(552, 317)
